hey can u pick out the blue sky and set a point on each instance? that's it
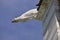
(30, 30)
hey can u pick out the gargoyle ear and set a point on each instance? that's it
(37, 4)
(40, 2)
